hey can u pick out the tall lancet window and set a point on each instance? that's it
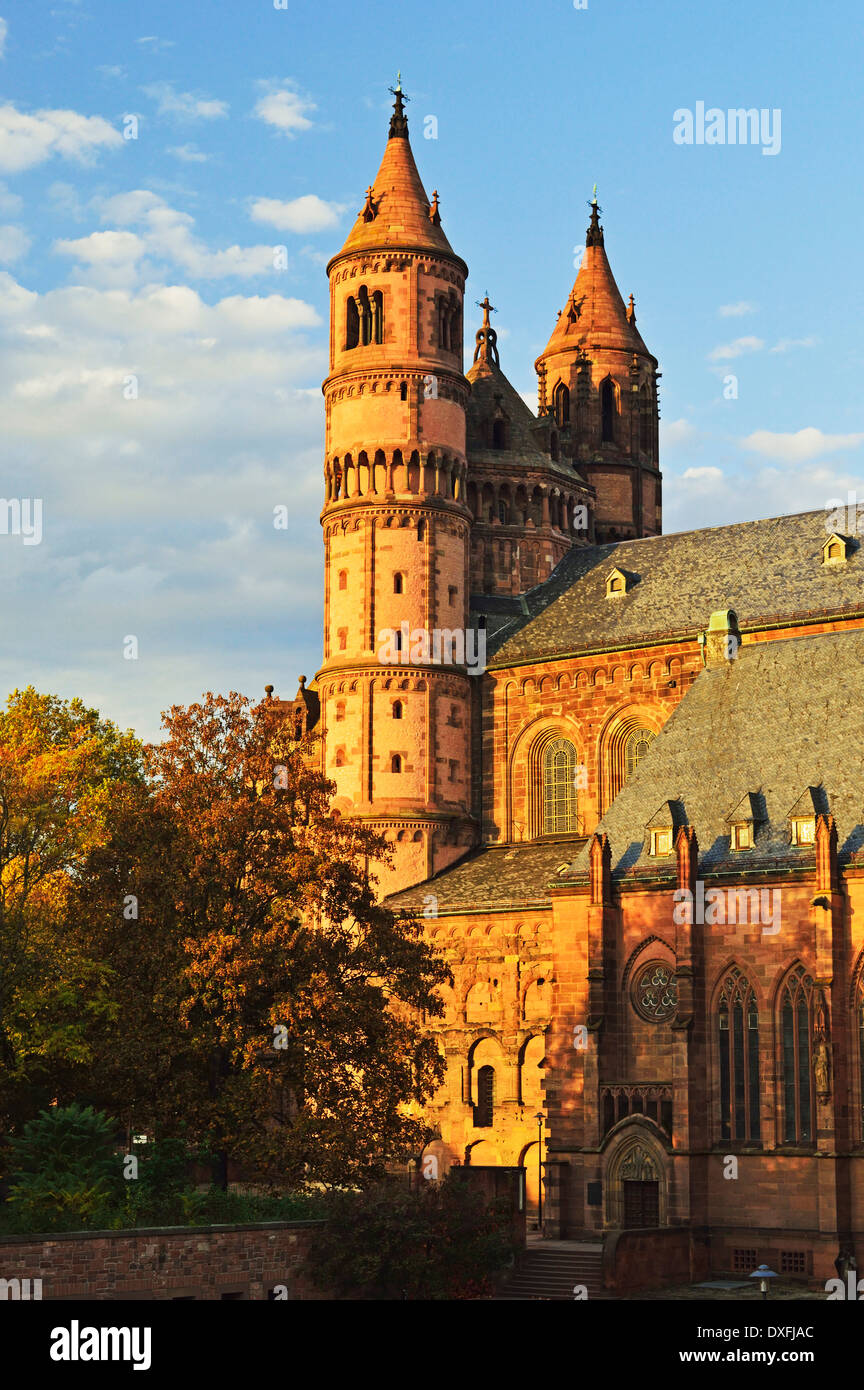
(608, 411)
(796, 1006)
(738, 1041)
(377, 317)
(559, 788)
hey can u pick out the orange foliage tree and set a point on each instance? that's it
(266, 1002)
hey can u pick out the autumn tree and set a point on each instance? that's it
(267, 1000)
(59, 766)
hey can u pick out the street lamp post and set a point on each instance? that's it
(763, 1274)
(539, 1118)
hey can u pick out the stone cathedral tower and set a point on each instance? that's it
(600, 382)
(397, 733)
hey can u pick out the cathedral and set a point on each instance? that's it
(620, 771)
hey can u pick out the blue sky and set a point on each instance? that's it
(160, 380)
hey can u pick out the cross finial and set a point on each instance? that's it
(595, 231)
(488, 308)
(398, 121)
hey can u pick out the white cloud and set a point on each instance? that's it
(190, 154)
(736, 311)
(703, 475)
(158, 511)
(800, 447)
(111, 70)
(735, 349)
(786, 344)
(26, 140)
(307, 214)
(675, 433)
(4, 30)
(9, 202)
(154, 44)
(281, 106)
(14, 243)
(163, 237)
(185, 104)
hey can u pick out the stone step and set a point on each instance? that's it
(553, 1273)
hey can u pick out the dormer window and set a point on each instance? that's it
(744, 819)
(742, 835)
(835, 551)
(802, 817)
(662, 827)
(616, 583)
(661, 842)
(804, 830)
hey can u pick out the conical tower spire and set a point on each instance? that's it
(595, 312)
(397, 212)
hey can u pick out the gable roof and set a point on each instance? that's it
(787, 716)
(767, 571)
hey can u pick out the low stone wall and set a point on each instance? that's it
(653, 1259)
(259, 1261)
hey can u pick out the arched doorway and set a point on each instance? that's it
(636, 1183)
(528, 1161)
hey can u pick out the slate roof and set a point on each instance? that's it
(767, 571)
(783, 717)
(498, 876)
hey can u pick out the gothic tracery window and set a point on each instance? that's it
(636, 749)
(796, 1007)
(655, 992)
(738, 1042)
(559, 787)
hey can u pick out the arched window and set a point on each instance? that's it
(339, 759)
(352, 323)
(443, 324)
(738, 1042)
(796, 1007)
(499, 434)
(364, 309)
(397, 709)
(398, 583)
(377, 317)
(504, 513)
(403, 391)
(484, 1110)
(396, 763)
(343, 579)
(608, 410)
(559, 787)
(644, 420)
(636, 749)
(561, 405)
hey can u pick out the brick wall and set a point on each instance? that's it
(205, 1262)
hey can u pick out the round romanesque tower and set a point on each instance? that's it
(396, 683)
(599, 382)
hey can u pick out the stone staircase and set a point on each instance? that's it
(551, 1268)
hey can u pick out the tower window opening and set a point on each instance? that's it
(397, 709)
(561, 405)
(364, 309)
(396, 763)
(444, 325)
(504, 513)
(352, 323)
(403, 391)
(343, 579)
(398, 583)
(340, 710)
(377, 317)
(452, 594)
(343, 638)
(607, 411)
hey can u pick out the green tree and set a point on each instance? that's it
(66, 1171)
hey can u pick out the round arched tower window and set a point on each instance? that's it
(654, 992)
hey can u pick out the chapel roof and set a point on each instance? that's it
(768, 571)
